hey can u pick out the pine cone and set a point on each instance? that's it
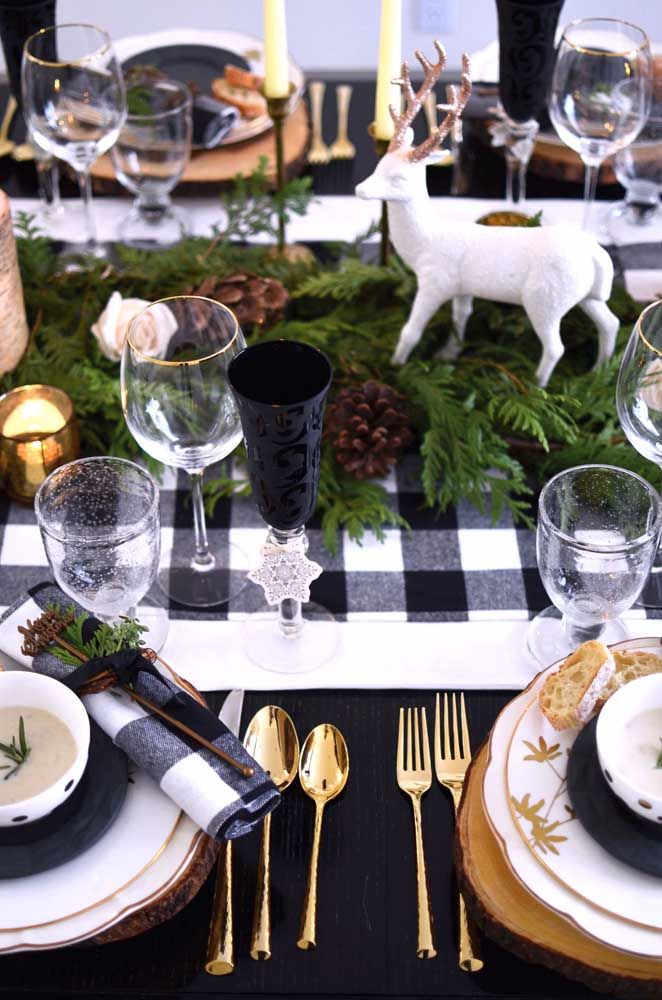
(253, 300)
(368, 427)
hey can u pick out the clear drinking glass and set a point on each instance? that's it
(150, 157)
(178, 406)
(99, 522)
(639, 406)
(598, 529)
(74, 101)
(601, 92)
(638, 168)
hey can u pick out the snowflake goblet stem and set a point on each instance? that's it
(280, 388)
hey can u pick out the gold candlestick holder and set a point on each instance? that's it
(381, 146)
(38, 433)
(278, 109)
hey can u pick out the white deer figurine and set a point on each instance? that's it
(546, 269)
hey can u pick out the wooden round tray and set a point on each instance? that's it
(509, 914)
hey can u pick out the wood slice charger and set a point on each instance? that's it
(516, 919)
(168, 903)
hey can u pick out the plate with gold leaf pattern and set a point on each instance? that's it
(545, 846)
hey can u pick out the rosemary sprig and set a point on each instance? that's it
(18, 753)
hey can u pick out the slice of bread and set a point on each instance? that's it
(569, 696)
(630, 665)
(238, 77)
(251, 104)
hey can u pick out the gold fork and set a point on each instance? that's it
(319, 151)
(342, 148)
(414, 776)
(451, 768)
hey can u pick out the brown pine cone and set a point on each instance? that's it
(368, 426)
(253, 299)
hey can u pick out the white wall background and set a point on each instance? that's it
(340, 34)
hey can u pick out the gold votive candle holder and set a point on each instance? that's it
(38, 432)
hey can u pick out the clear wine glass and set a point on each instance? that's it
(178, 406)
(639, 406)
(598, 529)
(601, 92)
(150, 157)
(100, 526)
(638, 168)
(74, 101)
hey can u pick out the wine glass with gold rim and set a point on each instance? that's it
(179, 407)
(74, 102)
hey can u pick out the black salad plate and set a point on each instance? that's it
(75, 825)
(630, 838)
(197, 64)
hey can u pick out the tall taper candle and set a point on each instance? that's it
(276, 66)
(390, 49)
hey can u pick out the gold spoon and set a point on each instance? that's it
(271, 740)
(6, 145)
(323, 771)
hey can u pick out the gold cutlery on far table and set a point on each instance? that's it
(6, 145)
(323, 771)
(342, 148)
(451, 767)
(414, 774)
(271, 740)
(319, 152)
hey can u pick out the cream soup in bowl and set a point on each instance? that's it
(44, 744)
(629, 742)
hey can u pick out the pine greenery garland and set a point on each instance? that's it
(488, 433)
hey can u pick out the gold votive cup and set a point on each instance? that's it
(38, 432)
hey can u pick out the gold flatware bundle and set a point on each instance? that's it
(319, 152)
(414, 774)
(451, 768)
(272, 740)
(342, 148)
(6, 145)
(323, 771)
(443, 157)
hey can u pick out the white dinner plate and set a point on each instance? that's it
(249, 48)
(591, 865)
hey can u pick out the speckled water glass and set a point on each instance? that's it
(100, 525)
(598, 528)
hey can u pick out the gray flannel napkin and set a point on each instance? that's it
(214, 794)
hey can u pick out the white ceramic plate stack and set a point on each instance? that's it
(527, 804)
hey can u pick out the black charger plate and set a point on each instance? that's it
(199, 64)
(631, 839)
(75, 825)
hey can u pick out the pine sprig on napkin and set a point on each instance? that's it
(123, 634)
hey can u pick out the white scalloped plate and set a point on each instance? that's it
(525, 859)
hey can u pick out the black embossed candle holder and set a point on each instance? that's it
(280, 389)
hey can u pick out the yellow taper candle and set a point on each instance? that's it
(276, 67)
(390, 48)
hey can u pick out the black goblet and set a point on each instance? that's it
(527, 29)
(280, 388)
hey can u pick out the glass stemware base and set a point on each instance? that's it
(634, 222)
(150, 226)
(312, 643)
(550, 638)
(202, 583)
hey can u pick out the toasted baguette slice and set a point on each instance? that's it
(569, 696)
(238, 77)
(250, 103)
(630, 665)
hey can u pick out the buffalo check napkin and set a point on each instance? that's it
(213, 793)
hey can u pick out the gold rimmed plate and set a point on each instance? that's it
(518, 831)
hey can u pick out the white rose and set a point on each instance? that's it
(151, 336)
